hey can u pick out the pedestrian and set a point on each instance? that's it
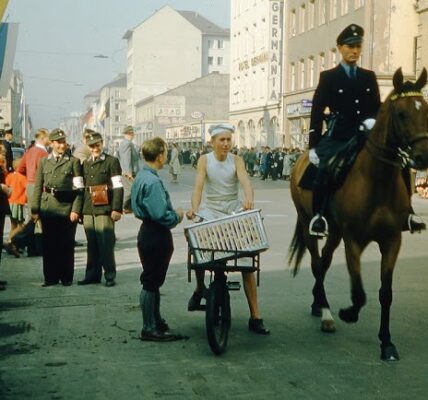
(30, 161)
(17, 183)
(151, 204)
(174, 163)
(8, 140)
(82, 151)
(4, 204)
(221, 172)
(130, 164)
(57, 201)
(102, 208)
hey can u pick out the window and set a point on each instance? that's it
(292, 77)
(302, 74)
(220, 44)
(333, 9)
(321, 62)
(311, 14)
(117, 106)
(210, 60)
(344, 7)
(311, 68)
(321, 12)
(210, 44)
(302, 19)
(117, 93)
(293, 23)
(220, 61)
(117, 118)
(358, 3)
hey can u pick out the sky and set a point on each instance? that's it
(58, 39)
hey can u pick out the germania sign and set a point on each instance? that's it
(275, 46)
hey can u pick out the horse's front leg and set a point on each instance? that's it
(353, 259)
(320, 266)
(389, 253)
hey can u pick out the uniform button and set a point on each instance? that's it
(340, 90)
(357, 101)
(92, 176)
(358, 111)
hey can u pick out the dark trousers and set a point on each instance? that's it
(99, 230)
(155, 248)
(58, 249)
(2, 218)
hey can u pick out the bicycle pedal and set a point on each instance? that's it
(233, 285)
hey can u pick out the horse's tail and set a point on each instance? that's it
(297, 248)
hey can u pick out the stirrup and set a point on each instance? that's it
(318, 234)
(415, 223)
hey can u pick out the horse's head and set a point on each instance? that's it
(409, 113)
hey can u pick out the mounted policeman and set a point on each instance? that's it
(347, 99)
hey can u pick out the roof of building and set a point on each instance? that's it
(212, 75)
(95, 93)
(197, 20)
(119, 81)
(203, 24)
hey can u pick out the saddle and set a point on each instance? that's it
(338, 166)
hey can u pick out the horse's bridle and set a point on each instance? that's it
(399, 156)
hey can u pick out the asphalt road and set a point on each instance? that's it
(82, 342)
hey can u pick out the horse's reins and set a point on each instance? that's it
(399, 156)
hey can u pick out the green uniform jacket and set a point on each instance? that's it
(100, 172)
(59, 177)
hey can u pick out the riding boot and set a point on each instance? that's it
(318, 225)
(414, 222)
(161, 325)
(148, 303)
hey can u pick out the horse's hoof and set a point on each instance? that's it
(389, 353)
(328, 326)
(316, 310)
(348, 315)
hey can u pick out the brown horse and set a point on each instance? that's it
(371, 206)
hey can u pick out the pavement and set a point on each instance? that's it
(82, 342)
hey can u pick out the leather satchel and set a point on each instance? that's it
(99, 195)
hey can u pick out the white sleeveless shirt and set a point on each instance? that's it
(221, 188)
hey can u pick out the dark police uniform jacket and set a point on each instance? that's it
(350, 101)
(54, 192)
(101, 172)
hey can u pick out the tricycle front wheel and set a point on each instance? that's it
(217, 316)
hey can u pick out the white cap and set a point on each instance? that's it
(221, 128)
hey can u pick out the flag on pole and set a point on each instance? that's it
(8, 39)
(3, 5)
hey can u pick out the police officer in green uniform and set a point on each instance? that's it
(57, 201)
(102, 207)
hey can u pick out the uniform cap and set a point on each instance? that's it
(93, 138)
(221, 128)
(128, 129)
(352, 34)
(56, 134)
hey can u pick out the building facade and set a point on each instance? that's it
(256, 72)
(111, 118)
(184, 114)
(311, 28)
(171, 48)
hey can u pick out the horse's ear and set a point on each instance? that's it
(397, 79)
(422, 80)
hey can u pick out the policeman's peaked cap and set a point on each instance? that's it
(57, 134)
(93, 138)
(352, 34)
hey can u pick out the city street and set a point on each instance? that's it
(82, 342)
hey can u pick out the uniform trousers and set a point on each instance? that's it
(99, 230)
(58, 249)
(155, 248)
